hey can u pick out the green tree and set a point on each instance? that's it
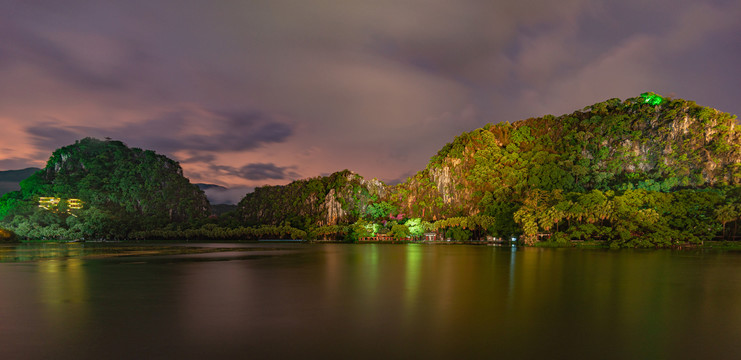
(399, 231)
(726, 214)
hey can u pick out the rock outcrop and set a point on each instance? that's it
(338, 198)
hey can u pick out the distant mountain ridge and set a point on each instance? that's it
(17, 175)
(204, 187)
(10, 179)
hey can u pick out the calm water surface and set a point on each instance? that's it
(92, 301)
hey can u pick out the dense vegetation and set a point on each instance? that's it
(118, 190)
(645, 172)
(633, 218)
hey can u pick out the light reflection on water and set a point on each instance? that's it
(369, 301)
(38, 251)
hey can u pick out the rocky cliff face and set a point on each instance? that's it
(662, 144)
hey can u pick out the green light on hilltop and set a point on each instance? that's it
(652, 99)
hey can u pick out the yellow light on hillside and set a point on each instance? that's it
(74, 204)
(52, 204)
(49, 203)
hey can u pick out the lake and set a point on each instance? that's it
(366, 301)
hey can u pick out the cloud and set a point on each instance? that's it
(259, 171)
(661, 56)
(198, 129)
(25, 47)
(624, 71)
(190, 129)
(51, 136)
(199, 158)
(242, 131)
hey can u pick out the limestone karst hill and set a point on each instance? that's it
(96, 188)
(646, 142)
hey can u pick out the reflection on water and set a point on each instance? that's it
(370, 301)
(39, 251)
(64, 296)
(413, 272)
(511, 278)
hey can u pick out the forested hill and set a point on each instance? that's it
(340, 198)
(646, 171)
(103, 189)
(646, 142)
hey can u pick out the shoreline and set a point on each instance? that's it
(582, 244)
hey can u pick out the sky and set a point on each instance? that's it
(250, 93)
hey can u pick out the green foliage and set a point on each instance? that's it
(634, 218)
(362, 229)
(328, 232)
(380, 210)
(476, 226)
(458, 234)
(521, 134)
(503, 213)
(399, 231)
(417, 227)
